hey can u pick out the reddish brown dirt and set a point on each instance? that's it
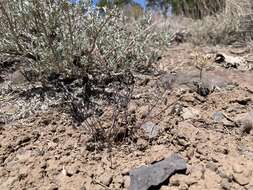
(45, 150)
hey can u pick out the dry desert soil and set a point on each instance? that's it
(43, 149)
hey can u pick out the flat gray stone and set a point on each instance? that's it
(148, 176)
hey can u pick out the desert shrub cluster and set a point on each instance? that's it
(85, 56)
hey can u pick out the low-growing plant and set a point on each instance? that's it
(201, 62)
(82, 52)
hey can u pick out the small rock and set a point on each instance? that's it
(236, 186)
(202, 149)
(249, 187)
(197, 172)
(125, 171)
(189, 98)
(9, 109)
(212, 166)
(181, 180)
(237, 168)
(182, 141)
(118, 182)
(203, 88)
(17, 77)
(106, 179)
(224, 174)
(74, 169)
(175, 180)
(138, 153)
(221, 149)
(190, 113)
(240, 179)
(190, 181)
(100, 170)
(118, 179)
(183, 186)
(142, 144)
(218, 116)
(53, 187)
(225, 184)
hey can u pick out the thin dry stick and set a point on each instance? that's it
(152, 107)
(169, 105)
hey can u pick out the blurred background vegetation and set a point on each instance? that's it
(196, 9)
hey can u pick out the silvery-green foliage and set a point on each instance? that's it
(56, 35)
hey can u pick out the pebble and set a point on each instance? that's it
(249, 187)
(125, 171)
(224, 173)
(190, 113)
(212, 166)
(183, 186)
(142, 144)
(237, 168)
(106, 179)
(217, 116)
(225, 184)
(240, 179)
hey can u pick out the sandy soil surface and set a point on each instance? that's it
(214, 134)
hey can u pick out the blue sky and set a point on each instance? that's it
(141, 2)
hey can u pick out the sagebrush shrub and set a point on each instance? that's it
(64, 37)
(81, 53)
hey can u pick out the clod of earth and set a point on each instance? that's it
(155, 175)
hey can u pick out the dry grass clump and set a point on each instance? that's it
(224, 27)
(230, 24)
